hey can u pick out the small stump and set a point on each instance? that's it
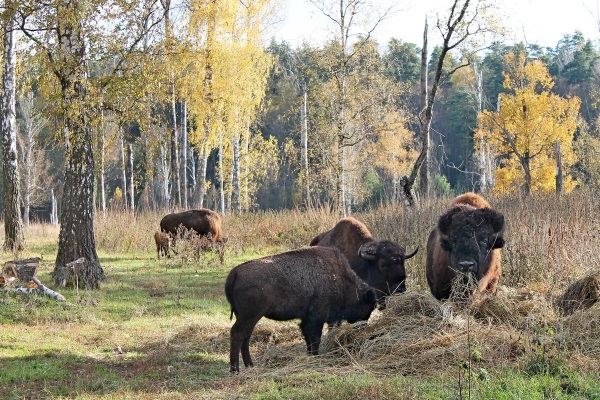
(23, 270)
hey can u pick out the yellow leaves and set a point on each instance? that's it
(526, 129)
(391, 151)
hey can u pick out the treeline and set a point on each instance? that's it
(203, 115)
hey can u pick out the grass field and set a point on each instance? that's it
(160, 329)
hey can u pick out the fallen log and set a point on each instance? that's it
(23, 271)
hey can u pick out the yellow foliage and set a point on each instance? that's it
(525, 131)
(391, 151)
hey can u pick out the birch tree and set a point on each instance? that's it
(13, 225)
(64, 31)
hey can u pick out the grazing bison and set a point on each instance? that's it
(163, 244)
(203, 221)
(313, 284)
(380, 263)
(467, 239)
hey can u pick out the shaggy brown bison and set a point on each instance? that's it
(203, 221)
(467, 239)
(380, 263)
(313, 284)
(163, 244)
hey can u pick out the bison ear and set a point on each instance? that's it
(497, 222)
(370, 297)
(368, 251)
(498, 243)
(446, 219)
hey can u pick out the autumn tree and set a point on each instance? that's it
(352, 33)
(70, 34)
(532, 129)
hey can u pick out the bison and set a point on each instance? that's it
(163, 244)
(467, 239)
(203, 221)
(314, 284)
(380, 263)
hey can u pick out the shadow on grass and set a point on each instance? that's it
(51, 374)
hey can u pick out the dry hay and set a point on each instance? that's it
(520, 308)
(581, 294)
(417, 334)
(580, 331)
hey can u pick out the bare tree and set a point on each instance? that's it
(344, 15)
(463, 21)
(33, 163)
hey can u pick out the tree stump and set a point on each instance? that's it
(23, 270)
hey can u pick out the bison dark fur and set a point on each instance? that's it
(203, 221)
(380, 263)
(467, 239)
(163, 244)
(315, 285)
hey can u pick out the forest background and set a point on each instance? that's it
(154, 148)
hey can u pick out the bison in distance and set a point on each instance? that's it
(466, 240)
(203, 221)
(315, 285)
(163, 244)
(380, 263)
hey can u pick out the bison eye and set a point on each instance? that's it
(446, 245)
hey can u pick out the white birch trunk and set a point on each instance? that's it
(123, 167)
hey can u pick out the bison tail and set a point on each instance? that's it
(229, 284)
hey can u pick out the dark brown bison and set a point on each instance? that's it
(467, 239)
(380, 263)
(163, 244)
(315, 285)
(203, 221)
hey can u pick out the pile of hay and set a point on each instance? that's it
(417, 334)
(581, 294)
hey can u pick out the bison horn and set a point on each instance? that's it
(363, 252)
(410, 255)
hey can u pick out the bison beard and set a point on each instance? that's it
(315, 285)
(466, 240)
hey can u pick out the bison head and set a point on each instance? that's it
(382, 262)
(469, 235)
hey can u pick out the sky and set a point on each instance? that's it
(542, 22)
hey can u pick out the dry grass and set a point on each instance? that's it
(581, 294)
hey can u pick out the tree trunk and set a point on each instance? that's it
(237, 205)
(130, 174)
(559, 170)
(202, 165)
(13, 226)
(175, 175)
(304, 151)
(221, 176)
(164, 176)
(76, 238)
(53, 210)
(424, 122)
(123, 167)
(101, 182)
(184, 156)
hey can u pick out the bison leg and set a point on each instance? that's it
(312, 331)
(240, 341)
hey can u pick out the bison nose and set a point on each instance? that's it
(467, 266)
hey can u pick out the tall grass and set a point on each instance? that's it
(550, 240)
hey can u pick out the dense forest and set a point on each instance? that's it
(156, 105)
